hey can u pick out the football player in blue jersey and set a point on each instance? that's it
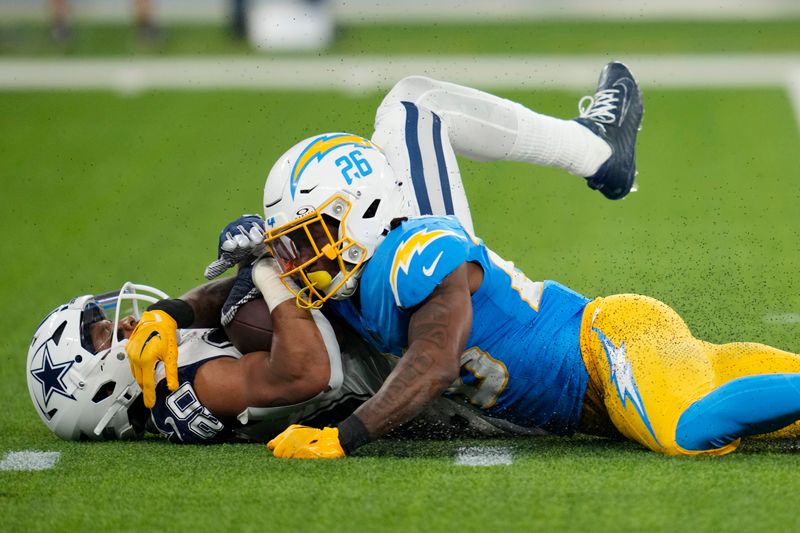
(463, 320)
(343, 218)
(81, 384)
(345, 228)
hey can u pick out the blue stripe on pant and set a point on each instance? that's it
(415, 159)
(447, 196)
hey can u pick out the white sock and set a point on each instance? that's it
(544, 140)
(486, 127)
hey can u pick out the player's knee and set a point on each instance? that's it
(409, 89)
(391, 111)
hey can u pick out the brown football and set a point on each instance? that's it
(251, 327)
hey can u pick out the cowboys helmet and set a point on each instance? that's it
(336, 194)
(78, 391)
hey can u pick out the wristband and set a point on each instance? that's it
(180, 311)
(266, 277)
(352, 434)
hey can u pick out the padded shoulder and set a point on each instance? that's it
(425, 251)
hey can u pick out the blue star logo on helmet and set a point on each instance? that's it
(319, 148)
(51, 376)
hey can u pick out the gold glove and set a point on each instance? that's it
(154, 339)
(303, 442)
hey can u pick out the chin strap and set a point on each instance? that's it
(348, 288)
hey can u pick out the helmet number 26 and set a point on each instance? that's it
(353, 166)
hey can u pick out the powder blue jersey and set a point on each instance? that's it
(522, 361)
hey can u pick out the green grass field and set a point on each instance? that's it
(99, 188)
(504, 38)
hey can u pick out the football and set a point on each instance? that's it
(251, 327)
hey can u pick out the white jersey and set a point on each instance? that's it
(356, 374)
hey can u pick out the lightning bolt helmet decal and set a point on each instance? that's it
(319, 148)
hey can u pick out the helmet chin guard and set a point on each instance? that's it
(328, 203)
(80, 392)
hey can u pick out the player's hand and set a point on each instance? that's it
(303, 442)
(154, 339)
(239, 240)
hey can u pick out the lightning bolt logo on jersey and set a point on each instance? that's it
(321, 147)
(522, 361)
(407, 250)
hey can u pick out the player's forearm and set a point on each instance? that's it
(298, 356)
(206, 300)
(417, 380)
(438, 332)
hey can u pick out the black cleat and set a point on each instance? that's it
(615, 115)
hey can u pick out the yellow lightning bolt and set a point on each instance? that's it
(320, 147)
(405, 252)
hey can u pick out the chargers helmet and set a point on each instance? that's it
(81, 393)
(345, 179)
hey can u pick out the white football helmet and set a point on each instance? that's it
(80, 393)
(347, 180)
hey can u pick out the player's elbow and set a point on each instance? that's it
(291, 389)
(309, 382)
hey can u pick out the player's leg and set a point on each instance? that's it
(416, 142)
(644, 368)
(679, 395)
(738, 360)
(486, 127)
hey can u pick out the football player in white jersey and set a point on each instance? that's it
(81, 384)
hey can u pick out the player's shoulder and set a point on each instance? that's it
(420, 253)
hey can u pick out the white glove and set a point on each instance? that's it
(240, 240)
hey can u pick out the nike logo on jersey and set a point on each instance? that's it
(428, 271)
(413, 246)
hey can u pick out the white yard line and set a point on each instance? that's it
(356, 73)
(29, 460)
(783, 318)
(484, 456)
(793, 88)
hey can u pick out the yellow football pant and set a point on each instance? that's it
(645, 368)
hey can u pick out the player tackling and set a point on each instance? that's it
(343, 217)
(463, 320)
